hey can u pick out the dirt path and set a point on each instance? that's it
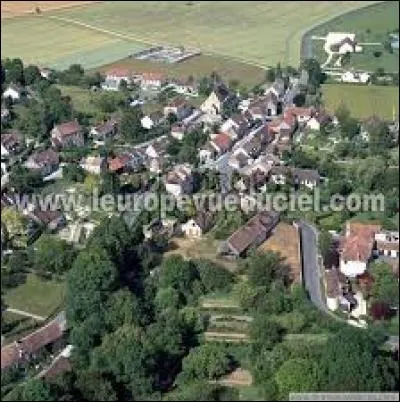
(239, 377)
(26, 314)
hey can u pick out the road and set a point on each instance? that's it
(311, 271)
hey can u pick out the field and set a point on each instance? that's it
(363, 101)
(36, 296)
(10, 9)
(371, 25)
(100, 33)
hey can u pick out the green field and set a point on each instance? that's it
(262, 33)
(36, 296)
(371, 25)
(363, 101)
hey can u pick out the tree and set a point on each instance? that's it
(315, 74)
(16, 226)
(109, 183)
(131, 128)
(270, 74)
(264, 268)
(297, 375)
(206, 362)
(385, 289)
(95, 387)
(52, 255)
(299, 100)
(73, 172)
(109, 102)
(14, 71)
(90, 280)
(13, 271)
(265, 332)
(31, 74)
(32, 120)
(380, 137)
(25, 181)
(325, 243)
(213, 277)
(31, 390)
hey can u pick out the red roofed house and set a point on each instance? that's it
(26, 348)
(356, 248)
(68, 134)
(222, 143)
(302, 114)
(44, 162)
(152, 80)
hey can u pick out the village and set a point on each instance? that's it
(245, 147)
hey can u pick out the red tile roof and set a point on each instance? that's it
(152, 76)
(119, 72)
(222, 141)
(69, 128)
(118, 162)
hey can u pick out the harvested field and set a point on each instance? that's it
(10, 9)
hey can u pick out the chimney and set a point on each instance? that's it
(348, 229)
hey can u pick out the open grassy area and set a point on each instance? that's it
(42, 41)
(260, 33)
(36, 296)
(363, 101)
(371, 25)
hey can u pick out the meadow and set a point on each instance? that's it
(363, 101)
(371, 25)
(259, 33)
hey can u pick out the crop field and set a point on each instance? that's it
(371, 25)
(363, 101)
(99, 33)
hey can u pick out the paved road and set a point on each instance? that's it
(26, 314)
(311, 271)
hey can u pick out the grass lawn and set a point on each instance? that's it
(199, 248)
(363, 101)
(82, 99)
(36, 296)
(254, 32)
(15, 324)
(371, 25)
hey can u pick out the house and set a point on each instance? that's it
(182, 87)
(236, 126)
(45, 72)
(156, 165)
(27, 348)
(178, 131)
(387, 244)
(195, 227)
(5, 114)
(264, 107)
(164, 227)
(318, 120)
(354, 77)
(279, 174)
(61, 364)
(44, 162)
(68, 134)
(214, 103)
(306, 177)
(157, 148)
(152, 80)
(114, 77)
(179, 107)
(252, 234)
(222, 143)
(105, 130)
(13, 91)
(179, 181)
(332, 289)
(302, 114)
(277, 88)
(49, 219)
(94, 164)
(285, 240)
(11, 143)
(356, 247)
(208, 153)
(126, 162)
(341, 43)
(239, 160)
(151, 120)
